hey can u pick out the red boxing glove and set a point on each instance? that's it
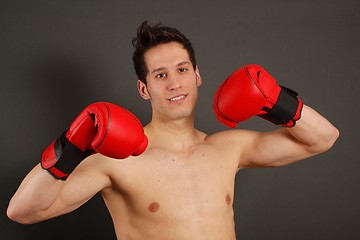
(101, 127)
(250, 91)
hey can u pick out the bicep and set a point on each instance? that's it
(271, 149)
(87, 179)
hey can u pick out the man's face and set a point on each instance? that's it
(171, 81)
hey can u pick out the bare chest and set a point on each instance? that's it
(176, 186)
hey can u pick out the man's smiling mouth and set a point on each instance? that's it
(177, 98)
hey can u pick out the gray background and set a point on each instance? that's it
(58, 56)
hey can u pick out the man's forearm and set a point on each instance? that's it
(35, 195)
(314, 131)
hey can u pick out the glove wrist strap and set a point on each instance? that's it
(62, 157)
(287, 109)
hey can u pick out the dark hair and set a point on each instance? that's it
(150, 36)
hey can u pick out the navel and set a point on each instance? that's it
(228, 199)
(154, 207)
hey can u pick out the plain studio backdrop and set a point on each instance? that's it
(56, 57)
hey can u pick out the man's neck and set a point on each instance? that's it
(177, 134)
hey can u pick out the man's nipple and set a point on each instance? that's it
(154, 207)
(228, 199)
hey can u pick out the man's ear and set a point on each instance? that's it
(198, 77)
(143, 90)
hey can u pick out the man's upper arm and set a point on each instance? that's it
(271, 149)
(86, 180)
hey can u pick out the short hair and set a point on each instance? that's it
(149, 36)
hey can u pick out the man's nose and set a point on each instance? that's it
(174, 82)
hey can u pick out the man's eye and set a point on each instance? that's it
(182, 69)
(161, 75)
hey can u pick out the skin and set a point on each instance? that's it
(183, 184)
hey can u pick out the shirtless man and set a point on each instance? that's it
(182, 185)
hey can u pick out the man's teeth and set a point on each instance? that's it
(177, 98)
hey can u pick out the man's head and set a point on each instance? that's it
(150, 36)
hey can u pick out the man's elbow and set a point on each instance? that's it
(327, 141)
(15, 215)
(333, 136)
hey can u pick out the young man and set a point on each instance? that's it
(182, 185)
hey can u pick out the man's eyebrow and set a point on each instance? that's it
(158, 70)
(183, 63)
(163, 68)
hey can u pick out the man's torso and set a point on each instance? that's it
(179, 194)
